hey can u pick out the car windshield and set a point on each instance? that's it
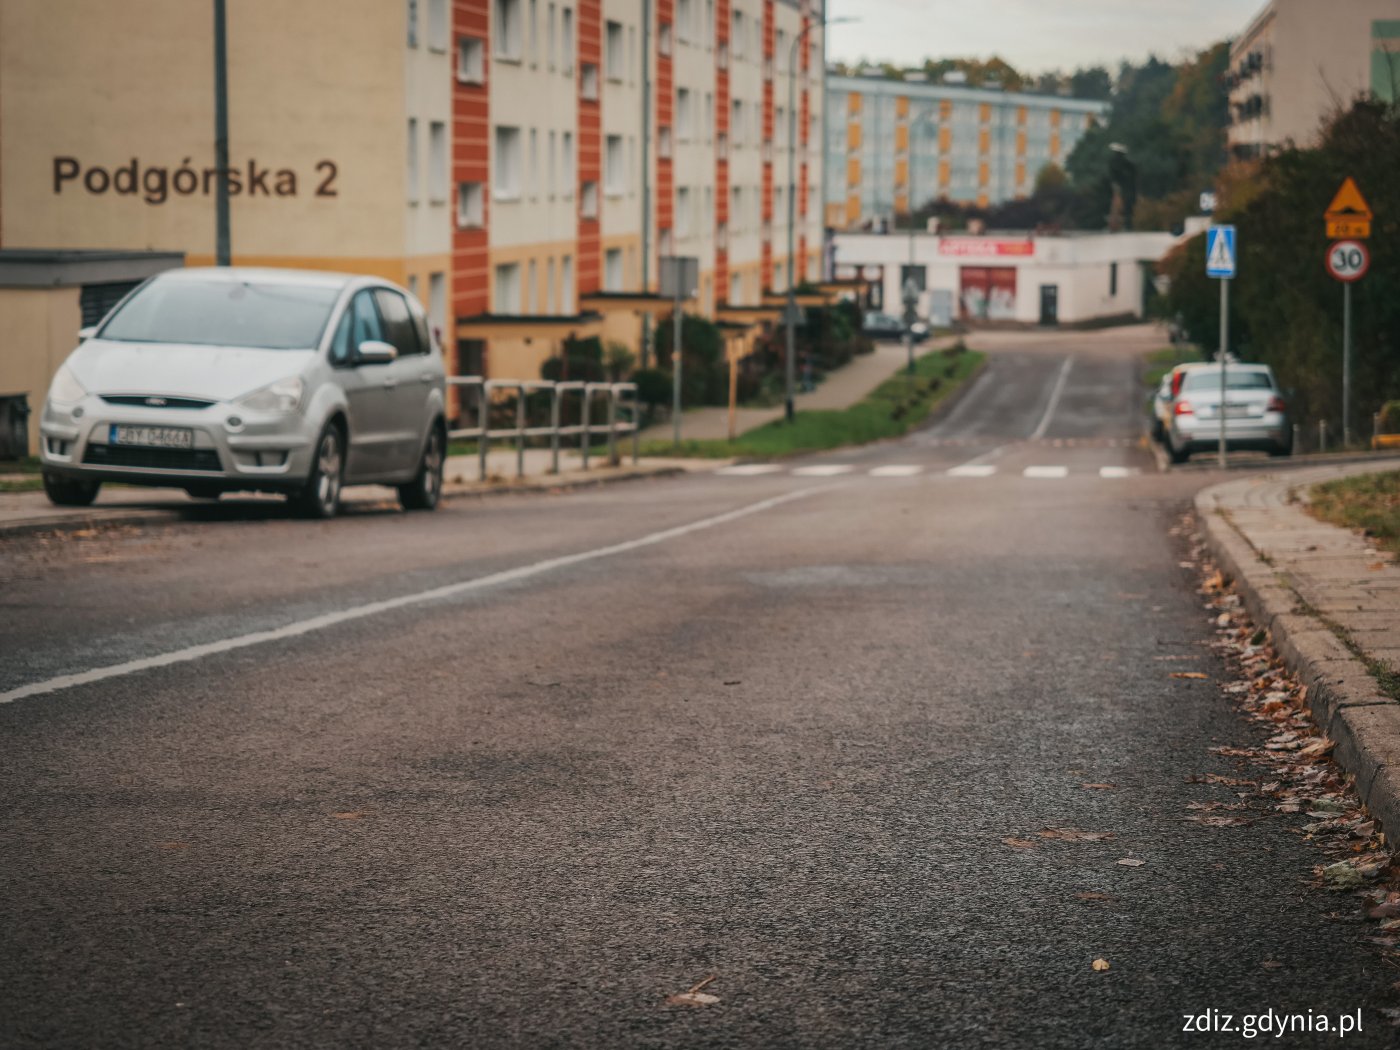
(258, 315)
(1234, 380)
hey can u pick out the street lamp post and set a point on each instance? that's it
(223, 252)
(790, 318)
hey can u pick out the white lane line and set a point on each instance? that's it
(973, 470)
(896, 470)
(823, 470)
(1045, 472)
(1119, 472)
(360, 612)
(1055, 395)
(749, 470)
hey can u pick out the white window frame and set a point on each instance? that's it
(508, 30)
(566, 41)
(438, 34)
(614, 166)
(588, 202)
(614, 51)
(471, 205)
(471, 60)
(508, 156)
(684, 207)
(685, 115)
(614, 270)
(588, 82)
(438, 162)
(506, 290)
(568, 171)
(414, 175)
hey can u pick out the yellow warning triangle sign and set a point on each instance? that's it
(1349, 204)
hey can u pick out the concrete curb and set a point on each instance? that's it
(116, 516)
(1345, 699)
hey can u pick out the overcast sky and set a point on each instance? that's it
(1033, 35)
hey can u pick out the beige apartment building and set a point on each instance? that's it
(1299, 60)
(500, 158)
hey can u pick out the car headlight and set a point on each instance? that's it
(282, 396)
(65, 387)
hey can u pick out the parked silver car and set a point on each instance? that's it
(224, 379)
(1256, 416)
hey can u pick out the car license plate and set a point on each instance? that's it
(152, 437)
(1236, 411)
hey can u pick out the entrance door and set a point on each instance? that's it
(1050, 304)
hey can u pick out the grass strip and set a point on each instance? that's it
(1368, 502)
(892, 409)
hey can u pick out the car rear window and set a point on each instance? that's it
(1234, 380)
(265, 316)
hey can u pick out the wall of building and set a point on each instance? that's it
(1096, 275)
(890, 143)
(41, 330)
(1298, 60)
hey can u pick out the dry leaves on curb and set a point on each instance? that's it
(1100, 965)
(357, 814)
(694, 996)
(1195, 676)
(1018, 843)
(1132, 862)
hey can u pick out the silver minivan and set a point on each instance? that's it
(234, 379)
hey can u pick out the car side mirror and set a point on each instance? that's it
(375, 352)
(84, 334)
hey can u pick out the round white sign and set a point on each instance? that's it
(1348, 260)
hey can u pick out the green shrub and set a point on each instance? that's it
(1390, 418)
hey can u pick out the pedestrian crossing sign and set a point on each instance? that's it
(1220, 252)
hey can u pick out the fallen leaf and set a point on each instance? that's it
(1018, 843)
(1099, 787)
(1221, 822)
(352, 815)
(1132, 862)
(692, 999)
(1271, 964)
(1100, 965)
(1194, 675)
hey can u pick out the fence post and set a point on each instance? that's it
(554, 427)
(1322, 435)
(612, 426)
(520, 430)
(636, 427)
(483, 411)
(587, 420)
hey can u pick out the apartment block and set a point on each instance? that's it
(521, 165)
(892, 146)
(1299, 61)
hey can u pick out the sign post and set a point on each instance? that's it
(680, 280)
(1349, 220)
(1220, 264)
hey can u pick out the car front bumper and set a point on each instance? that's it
(233, 448)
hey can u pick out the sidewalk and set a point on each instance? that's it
(841, 389)
(23, 512)
(1332, 604)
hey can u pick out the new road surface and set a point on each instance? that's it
(517, 772)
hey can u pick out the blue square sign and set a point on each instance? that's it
(1220, 251)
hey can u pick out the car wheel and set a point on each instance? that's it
(320, 498)
(70, 492)
(1159, 433)
(209, 492)
(1178, 456)
(425, 490)
(1281, 450)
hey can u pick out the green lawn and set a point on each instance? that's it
(892, 409)
(1370, 502)
(30, 484)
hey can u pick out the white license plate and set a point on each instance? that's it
(151, 437)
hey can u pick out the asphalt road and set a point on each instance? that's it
(513, 773)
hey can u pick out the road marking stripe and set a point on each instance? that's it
(360, 612)
(1046, 472)
(823, 470)
(749, 470)
(896, 471)
(973, 470)
(1119, 472)
(1039, 431)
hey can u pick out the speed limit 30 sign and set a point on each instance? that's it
(1348, 260)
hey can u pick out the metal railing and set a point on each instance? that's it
(621, 398)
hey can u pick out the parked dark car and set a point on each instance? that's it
(879, 325)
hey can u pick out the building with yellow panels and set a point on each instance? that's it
(893, 146)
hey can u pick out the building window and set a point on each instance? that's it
(613, 53)
(567, 164)
(437, 162)
(508, 289)
(588, 205)
(631, 54)
(683, 209)
(736, 122)
(685, 21)
(412, 23)
(551, 295)
(738, 34)
(532, 289)
(534, 32)
(612, 270)
(533, 172)
(510, 35)
(736, 290)
(553, 173)
(664, 45)
(614, 171)
(1112, 278)
(437, 25)
(780, 50)
(663, 142)
(412, 160)
(566, 42)
(471, 60)
(566, 286)
(471, 205)
(508, 164)
(685, 119)
(437, 305)
(550, 42)
(588, 86)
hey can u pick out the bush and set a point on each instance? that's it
(1390, 418)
